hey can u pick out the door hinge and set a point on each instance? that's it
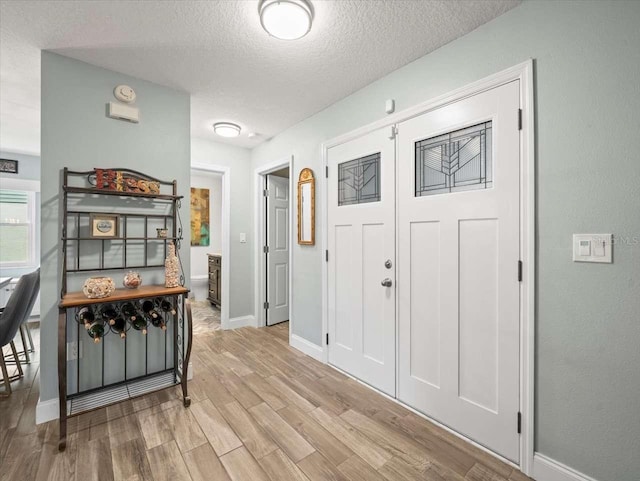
(266, 305)
(326, 171)
(519, 119)
(326, 255)
(265, 249)
(327, 338)
(519, 422)
(519, 271)
(394, 132)
(265, 192)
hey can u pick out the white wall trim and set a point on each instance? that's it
(200, 277)
(547, 469)
(307, 347)
(20, 184)
(261, 240)
(47, 410)
(522, 72)
(226, 234)
(242, 321)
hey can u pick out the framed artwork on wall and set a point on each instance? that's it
(8, 166)
(200, 226)
(105, 226)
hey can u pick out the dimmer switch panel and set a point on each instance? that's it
(593, 248)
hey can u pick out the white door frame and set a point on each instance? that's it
(524, 73)
(226, 234)
(260, 237)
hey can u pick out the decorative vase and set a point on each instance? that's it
(172, 268)
(98, 287)
(132, 280)
(161, 233)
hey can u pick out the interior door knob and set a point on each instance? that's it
(386, 282)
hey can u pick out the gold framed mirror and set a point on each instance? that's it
(306, 208)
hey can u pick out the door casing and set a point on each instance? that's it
(524, 73)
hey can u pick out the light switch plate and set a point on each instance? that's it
(593, 248)
(243, 238)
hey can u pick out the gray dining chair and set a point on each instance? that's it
(16, 311)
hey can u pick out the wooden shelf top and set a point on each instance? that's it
(75, 299)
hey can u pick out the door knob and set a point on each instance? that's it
(386, 282)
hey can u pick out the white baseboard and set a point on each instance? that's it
(242, 321)
(307, 347)
(47, 410)
(547, 469)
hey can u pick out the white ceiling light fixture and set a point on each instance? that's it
(286, 19)
(226, 129)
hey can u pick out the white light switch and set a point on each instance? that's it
(243, 238)
(592, 248)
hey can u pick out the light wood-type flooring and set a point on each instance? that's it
(261, 411)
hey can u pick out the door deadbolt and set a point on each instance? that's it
(388, 263)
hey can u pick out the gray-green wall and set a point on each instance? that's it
(76, 133)
(587, 87)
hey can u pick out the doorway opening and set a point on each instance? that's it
(274, 246)
(210, 247)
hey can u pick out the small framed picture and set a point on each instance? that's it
(9, 166)
(105, 226)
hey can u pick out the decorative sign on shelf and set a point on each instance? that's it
(121, 181)
(200, 234)
(8, 166)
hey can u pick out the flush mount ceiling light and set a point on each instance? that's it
(226, 129)
(286, 19)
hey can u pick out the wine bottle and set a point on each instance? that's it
(119, 326)
(159, 322)
(139, 324)
(108, 313)
(86, 316)
(96, 331)
(166, 305)
(149, 310)
(129, 311)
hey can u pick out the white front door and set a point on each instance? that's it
(459, 295)
(361, 240)
(278, 249)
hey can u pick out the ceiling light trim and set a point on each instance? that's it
(304, 5)
(227, 129)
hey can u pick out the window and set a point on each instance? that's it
(17, 229)
(456, 161)
(359, 180)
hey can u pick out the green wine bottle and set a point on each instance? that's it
(85, 316)
(129, 311)
(159, 322)
(166, 305)
(108, 313)
(148, 309)
(119, 326)
(96, 331)
(139, 324)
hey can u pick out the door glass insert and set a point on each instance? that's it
(359, 180)
(455, 161)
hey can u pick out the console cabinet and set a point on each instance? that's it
(215, 275)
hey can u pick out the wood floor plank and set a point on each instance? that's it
(93, 461)
(204, 465)
(265, 390)
(167, 464)
(321, 439)
(215, 428)
(480, 472)
(130, 461)
(242, 467)
(355, 469)
(317, 468)
(214, 389)
(369, 451)
(239, 390)
(279, 467)
(291, 397)
(155, 428)
(124, 429)
(254, 438)
(391, 440)
(294, 445)
(185, 429)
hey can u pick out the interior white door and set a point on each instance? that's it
(361, 239)
(459, 294)
(278, 249)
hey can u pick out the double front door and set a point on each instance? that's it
(424, 250)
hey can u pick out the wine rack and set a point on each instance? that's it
(107, 366)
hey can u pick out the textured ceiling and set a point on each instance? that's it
(218, 52)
